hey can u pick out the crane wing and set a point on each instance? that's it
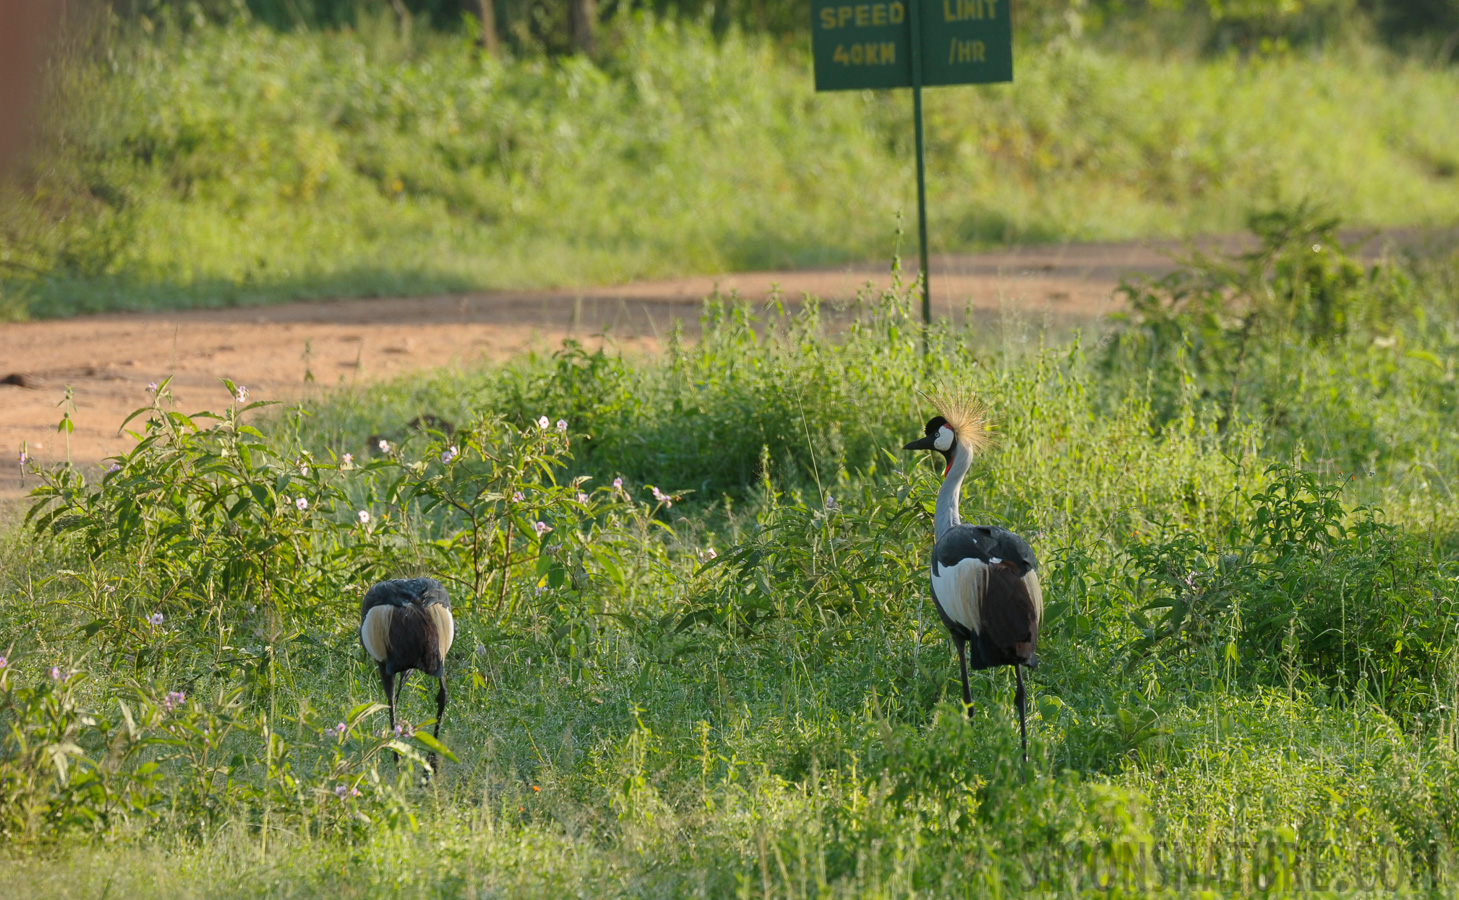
(985, 579)
(445, 625)
(959, 588)
(375, 632)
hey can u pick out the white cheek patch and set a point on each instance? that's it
(943, 441)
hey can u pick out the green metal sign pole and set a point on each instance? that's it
(916, 29)
(859, 45)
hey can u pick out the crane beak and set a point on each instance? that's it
(923, 443)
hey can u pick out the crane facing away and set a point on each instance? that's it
(406, 624)
(984, 578)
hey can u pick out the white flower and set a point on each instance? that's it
(582, 498)
(364, 516)
(301, 504)
(562, 426)
(384, 446)
(830, 502)
(449, 454)
(710, 554)
(542, 423)
(304, 470)
(242, 395)
(349, 461)
(155, 619)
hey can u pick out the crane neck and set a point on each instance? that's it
(952, 486)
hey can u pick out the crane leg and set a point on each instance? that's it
(387, 680)
(962, 662)
(1021, 699)
(440, 714)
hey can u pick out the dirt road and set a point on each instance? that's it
(108, 360)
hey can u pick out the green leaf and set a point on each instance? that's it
(364, 709)
(430, 743)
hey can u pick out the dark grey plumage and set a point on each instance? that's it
(984, 578)
(406, 624)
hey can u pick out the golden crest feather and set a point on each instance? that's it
(967, 417)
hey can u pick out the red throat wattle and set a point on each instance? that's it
(949, 467)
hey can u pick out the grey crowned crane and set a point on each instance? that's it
(984, 578)
(406, 624)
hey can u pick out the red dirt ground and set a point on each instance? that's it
(108, 360)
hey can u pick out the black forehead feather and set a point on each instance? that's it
(934, 425)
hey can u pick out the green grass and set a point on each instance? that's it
(241, 165)
(1248, 659)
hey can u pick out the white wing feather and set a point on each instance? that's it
(960, 590)
(375, 632)
(445, 626)
(1035, 593)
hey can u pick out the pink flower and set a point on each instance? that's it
(364, 516)
(618, 484)
(541, 528)
(242, 395)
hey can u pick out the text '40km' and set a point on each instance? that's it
(882, 54)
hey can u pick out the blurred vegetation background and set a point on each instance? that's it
(223, 152)
(1425, 27)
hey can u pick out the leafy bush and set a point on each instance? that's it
(1300, 591)
(223, 528)
(147, 759)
